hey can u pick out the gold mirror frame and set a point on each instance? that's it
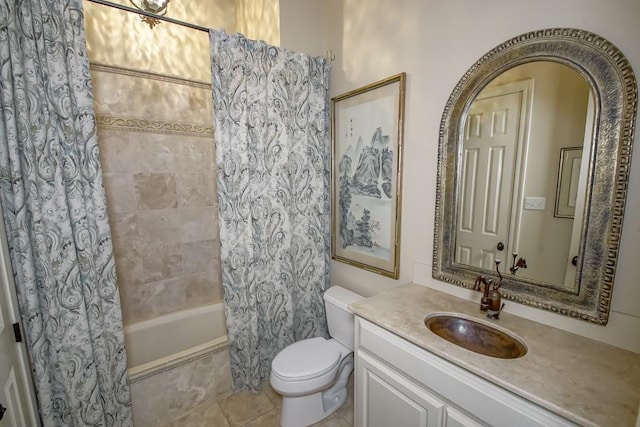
(614, 91)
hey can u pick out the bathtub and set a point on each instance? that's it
(177, 362)
(161, 343)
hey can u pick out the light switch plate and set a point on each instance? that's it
(535, 203)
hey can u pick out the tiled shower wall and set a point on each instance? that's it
(156, 143)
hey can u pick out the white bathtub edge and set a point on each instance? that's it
(151, 340)
(173, 317)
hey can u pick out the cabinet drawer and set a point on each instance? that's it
(485, 400)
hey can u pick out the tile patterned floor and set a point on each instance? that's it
(254, 410)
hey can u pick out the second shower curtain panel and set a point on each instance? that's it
(272, 153)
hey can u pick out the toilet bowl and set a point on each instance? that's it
(312, 374)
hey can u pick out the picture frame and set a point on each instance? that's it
(568, 178)
(367, 127)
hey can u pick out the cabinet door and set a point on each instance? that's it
(455, 418)
(385, 398)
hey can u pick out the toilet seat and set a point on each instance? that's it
(306, 359)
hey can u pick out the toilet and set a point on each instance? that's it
(312, 374)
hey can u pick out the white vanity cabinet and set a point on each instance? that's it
(400, 384)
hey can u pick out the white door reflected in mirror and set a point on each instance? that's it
(513, 188)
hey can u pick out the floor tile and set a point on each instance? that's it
(244, 407)
(270, 419)
(333, 420)
(343, 417)
(207, 414)
(248, 409)
(274, 396)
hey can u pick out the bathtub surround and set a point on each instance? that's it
(56, 218)
(155, 341)
(272, 153)
(176, 362)
(156, 140)
(191, 385)
(168, 391)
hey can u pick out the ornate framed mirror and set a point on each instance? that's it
(533, 166)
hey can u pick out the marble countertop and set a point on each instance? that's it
(586, 381)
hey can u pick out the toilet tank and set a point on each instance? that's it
(339, 319)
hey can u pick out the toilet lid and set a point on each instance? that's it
(306, 359)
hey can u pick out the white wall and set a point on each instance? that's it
(308, 26)
(435, 42)
(258, 19)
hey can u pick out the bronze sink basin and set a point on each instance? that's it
(473, 335)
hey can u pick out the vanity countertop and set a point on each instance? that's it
(586, 381)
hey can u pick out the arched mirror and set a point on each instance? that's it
(534, 151)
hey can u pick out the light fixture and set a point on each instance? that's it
(157, 7)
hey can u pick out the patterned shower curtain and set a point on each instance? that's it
(272, 152)
(56, 218)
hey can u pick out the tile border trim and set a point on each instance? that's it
(178, 362)
(148, 75)
(153, 126)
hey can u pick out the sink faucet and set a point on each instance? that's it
(486, 281)
(495, 304)
(491, 300)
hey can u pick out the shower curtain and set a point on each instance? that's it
(272, 152)
(55, 215)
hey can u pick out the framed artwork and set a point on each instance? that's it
(366, 134)
(568, 178)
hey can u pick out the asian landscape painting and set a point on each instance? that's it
(364, 198)
(366, 149)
